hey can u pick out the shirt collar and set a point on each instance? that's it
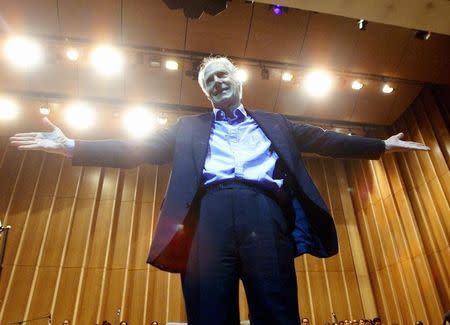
(239, 114)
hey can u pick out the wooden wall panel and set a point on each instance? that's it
(80, 237)
(402, 208)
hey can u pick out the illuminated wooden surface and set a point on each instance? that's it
(80, 236)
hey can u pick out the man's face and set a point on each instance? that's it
(222, 86)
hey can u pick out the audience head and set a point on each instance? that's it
(305, 321)
(446, 320)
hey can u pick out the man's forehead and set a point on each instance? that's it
(217, 66)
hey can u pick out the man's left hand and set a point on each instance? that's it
(395, 144)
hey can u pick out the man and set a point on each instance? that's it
(240, 203)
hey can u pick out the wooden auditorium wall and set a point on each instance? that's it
(402, 209)
(80, 236)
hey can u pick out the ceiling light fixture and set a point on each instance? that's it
(139, 122)
(357, 85)
(278, 10)
(318, 83)
(107, 60)
(44, 110)
(8, 109)
(23, 52)
(79, 116)
(287, 76)
(423, 35)
(242, 75)
(194, 9)
(362, 24)
(264, 73)
(72, 54)
(171, 65)
(387, 89)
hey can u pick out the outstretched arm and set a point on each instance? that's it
(106, 153)
(53, 141)
(395, 144)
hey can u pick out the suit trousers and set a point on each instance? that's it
(241, 233)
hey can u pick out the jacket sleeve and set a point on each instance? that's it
(158, 149)
(313, 139)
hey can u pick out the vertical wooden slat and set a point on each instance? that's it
(20, 246)
(362, 273)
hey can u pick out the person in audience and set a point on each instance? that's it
(376, 321)
(305, 321)
(446, 320)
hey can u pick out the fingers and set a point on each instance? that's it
(19, 143)
(14, 138)
(29, 134)
(399, 135)
(30, 147)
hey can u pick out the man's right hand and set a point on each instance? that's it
(53, 141)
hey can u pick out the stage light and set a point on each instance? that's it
(265, 75)
(107, 60)
(139, 122)
(193, 72)
(79, 116)
(162, 119)
(155, 62)
(362, 24)
(287, 76)
(23, 52)
(387, 89)
(277, 10)
(423, 35)
(72, 54)
(318, 83)
(44, 110)
(171, 65)
(194, 9)
(242, 75)
(8, 109)
(357, 85)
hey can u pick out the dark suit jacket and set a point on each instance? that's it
(186, 144)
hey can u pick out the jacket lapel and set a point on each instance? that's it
(274, 129)
(201, 132)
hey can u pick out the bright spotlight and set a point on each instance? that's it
(287, 76)
(79, 116)
(72, 54)
(171, 65)
(23, 52)
(139, 122)
(242, 75)
(318, 83)
(107, 60)
(357, 85)
(8, 109)
(387, 89)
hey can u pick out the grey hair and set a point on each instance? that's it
(216, 59)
